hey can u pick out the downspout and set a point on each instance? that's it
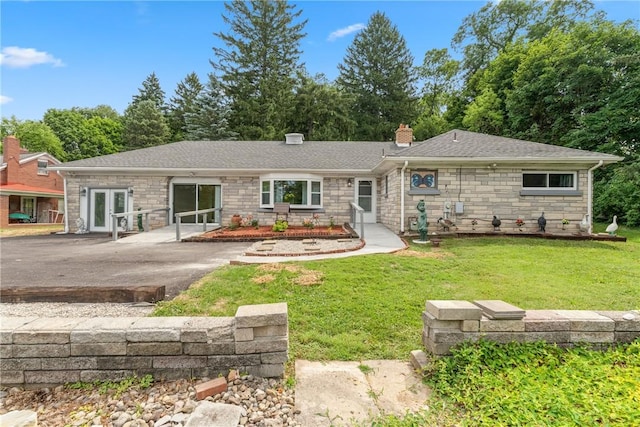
(66, 206)
(590, 194)
(406, 163)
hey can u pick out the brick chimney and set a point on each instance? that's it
(11, 155)
(404, 136)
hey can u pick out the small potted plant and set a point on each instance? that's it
(519, 223)
(565, 222)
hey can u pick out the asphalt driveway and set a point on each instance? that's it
(94, 260)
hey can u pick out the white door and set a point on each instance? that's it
(104, 202)
(366, 198)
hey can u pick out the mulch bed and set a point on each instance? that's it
(252, 234)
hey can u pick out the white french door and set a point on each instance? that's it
(366, 198)
(105, 202)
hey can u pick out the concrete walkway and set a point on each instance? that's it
(162, 235)
(351, 393)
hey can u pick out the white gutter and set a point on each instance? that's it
(66, 204)
(590, 194)
(406, 163)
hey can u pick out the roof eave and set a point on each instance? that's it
(70, 170)
(475, 161)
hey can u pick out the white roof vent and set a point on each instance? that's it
(294, 138)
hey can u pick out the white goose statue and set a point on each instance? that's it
(613, 227)
(584, 224)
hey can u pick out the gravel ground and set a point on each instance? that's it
(293, 248)
(61, 309)
(167, 404)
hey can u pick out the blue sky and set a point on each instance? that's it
(63, 54)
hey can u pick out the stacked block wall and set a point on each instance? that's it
(449, 323)
(37, 351)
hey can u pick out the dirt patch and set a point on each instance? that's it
(304, 276)
(309, 278)
(261, 280)
(418, 254)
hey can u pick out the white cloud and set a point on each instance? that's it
(21, 57)
(345, 31)
(5, 99)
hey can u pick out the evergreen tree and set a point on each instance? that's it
(258, 65)
(208, 118)
(151, 91)
(182, 103)
(144, 126)
(378, 72)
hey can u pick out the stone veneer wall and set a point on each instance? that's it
(37, 351)
(486, 192)
(149, 192)
(240, 195)
(448, 323)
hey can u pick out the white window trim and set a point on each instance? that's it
(291, 177)
(43, 170)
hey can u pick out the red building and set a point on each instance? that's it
(29, 191)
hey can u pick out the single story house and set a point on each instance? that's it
(29, 191)
(462, 176)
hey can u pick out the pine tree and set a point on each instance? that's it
(258, 65)
(209, 115)
(144, 126)
(378, 72)
(183, 103)
(152, 91)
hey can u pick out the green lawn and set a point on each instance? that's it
(369, 307)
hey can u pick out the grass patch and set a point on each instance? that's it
(30, 229)
(537, 384)
(369, 307)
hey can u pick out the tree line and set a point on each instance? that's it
(552, 72)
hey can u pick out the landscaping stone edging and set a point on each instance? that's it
(44, 351)
(449, 322)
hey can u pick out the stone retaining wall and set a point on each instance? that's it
(447, 323)
(38, 351)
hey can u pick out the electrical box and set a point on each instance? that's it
(447, 207)
(459, 207)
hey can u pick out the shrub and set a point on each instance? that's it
(280, 225)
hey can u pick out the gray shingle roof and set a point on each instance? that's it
(247, 155)
(328, 155)
(465, 144)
